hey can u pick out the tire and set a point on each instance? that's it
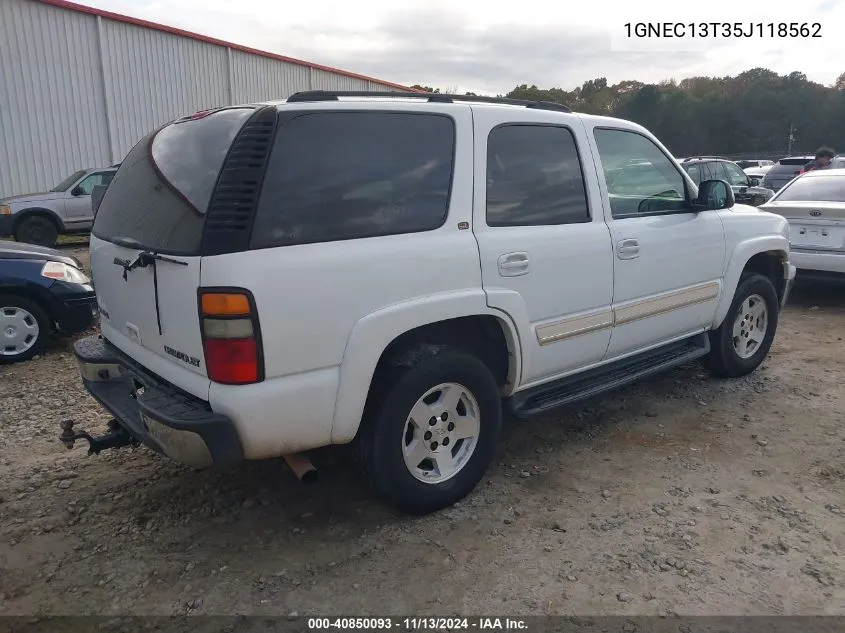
(37, 229)
(734, 356)
(390, 429)
(16, 315)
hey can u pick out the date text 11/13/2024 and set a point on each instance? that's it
(417, 624)
(723, 30)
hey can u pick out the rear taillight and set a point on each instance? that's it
(230, 336)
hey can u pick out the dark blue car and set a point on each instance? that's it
(42, 292)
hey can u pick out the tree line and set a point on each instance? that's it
(750, 114)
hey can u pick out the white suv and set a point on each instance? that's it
(392, 269)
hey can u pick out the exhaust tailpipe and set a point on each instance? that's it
(301, 467)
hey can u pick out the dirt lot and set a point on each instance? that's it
(685, 494)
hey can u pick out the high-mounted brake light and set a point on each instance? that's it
(230, 336)
(200, 114)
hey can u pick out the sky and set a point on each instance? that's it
(490, 47)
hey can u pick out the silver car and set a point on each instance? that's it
(814, 206)
(39, 218)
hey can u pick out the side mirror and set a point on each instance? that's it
(77, 191)
(97, 194)
(714, 195)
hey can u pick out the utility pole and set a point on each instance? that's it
(791, 138)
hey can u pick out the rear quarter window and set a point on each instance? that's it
(347, 175)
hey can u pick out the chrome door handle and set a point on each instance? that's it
(628, 248)
(513, 264)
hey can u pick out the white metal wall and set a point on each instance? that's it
(78, 90)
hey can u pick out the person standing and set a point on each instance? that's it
(822, 161)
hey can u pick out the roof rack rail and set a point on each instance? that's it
(705, 158)
(431, 97)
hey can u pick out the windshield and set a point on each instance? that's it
(745, 164)
(67, 182)
(815, 189)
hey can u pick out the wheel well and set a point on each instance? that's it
(44, 213)
(483, 336)
(769, 264)
(21, 294)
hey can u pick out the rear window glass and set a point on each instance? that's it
(815, 189)
(794, 161)
(345, 175)
(161, 192)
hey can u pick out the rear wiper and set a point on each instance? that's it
(146, 258)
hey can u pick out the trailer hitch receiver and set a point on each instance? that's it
(115, 438)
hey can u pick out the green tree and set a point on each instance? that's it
(749, 113)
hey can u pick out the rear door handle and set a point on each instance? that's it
(628, 248)
(514, 264)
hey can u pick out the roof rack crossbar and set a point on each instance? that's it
(431, 97)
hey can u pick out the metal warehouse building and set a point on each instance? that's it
(80, 86)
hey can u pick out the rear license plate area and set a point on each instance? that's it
(810, 236)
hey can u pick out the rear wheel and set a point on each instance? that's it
(24, 329)
(430, 430)
(739, 345)
(36, 229)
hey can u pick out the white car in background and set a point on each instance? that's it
(756, 174)
(814, 206)
(752, 163)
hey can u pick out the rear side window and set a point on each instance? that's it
(534, 177)
(347, 175)
(159, 196)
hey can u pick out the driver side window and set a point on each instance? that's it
(736, 176)
(87, 185)
(641, 179)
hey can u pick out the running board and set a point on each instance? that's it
(543, 398)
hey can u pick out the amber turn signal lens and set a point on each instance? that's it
(224, 304)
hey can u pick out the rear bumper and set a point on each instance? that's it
(818, 261)
(155, 412)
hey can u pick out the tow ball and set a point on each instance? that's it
(115, 438)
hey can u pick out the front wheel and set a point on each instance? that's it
(430, 430)
(739, 345)
(24, 329)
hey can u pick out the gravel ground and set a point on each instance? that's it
(685, 494)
